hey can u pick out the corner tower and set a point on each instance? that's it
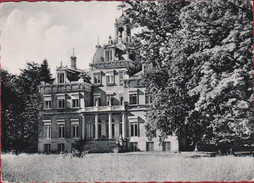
(122, 30)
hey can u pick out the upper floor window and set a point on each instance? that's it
(148, 98)
(108, 55)
(121, 73)
(110, 79)
(134, 129)
(61, 103)
(133, 98)
(75, 128)
(75, 103)
(61, 77)
(97, 78)
(47, 102)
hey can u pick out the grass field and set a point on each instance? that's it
(125, 167)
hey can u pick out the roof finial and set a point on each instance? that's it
(73, 52)
(61, 64)
(98, 40)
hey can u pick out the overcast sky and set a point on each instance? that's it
(38, 30)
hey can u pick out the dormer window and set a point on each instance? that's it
(97, 78)
(110, 78)
(108, 55)
(61, 77)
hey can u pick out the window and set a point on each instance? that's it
(148, 99)
(48, 104)
(61, 131)
(121, 77)
(121, 101)
(110, 100)
(61, 78)
(60, 147)
(134, 129)
(113, 129)
(133, 99)
(121, 128)
(108, 55)
(97, 100)
(61, 103)
(47, 132)
(97, 78)
(75, 103)
(47, 148)
(110, 79)
(75, 131)
(134, 146)
(149, 146)
(166, 146)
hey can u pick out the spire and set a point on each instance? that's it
(73, 61)
(98, 45)
(73, 52)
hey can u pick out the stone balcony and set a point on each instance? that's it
(65, 87)
(105, 108)
(114, 64)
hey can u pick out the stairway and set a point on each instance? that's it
(100, 146)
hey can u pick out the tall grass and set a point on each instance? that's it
(125, 167)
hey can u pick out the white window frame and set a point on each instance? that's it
(47, 102)
(47, 129)
(75, 127)
(96, 79)
(61, 131)
(131, 95)
(61, 78)
(110, 77)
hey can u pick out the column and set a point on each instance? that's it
(110, 125)
(83, 127)
(123, 126)
(96, 126)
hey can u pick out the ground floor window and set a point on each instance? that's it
(60, 131)
(47, 148)
(166, 146)
(134, 146)
(60, 147)
(74, 131)
(47, 132)
(149, 146)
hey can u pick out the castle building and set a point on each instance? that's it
(107, 103)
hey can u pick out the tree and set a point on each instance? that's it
(201, 76)
(45, 72)
(20, 104)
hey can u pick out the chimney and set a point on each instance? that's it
(73, 61)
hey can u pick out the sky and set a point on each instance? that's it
(34, 31)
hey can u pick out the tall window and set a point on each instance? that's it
(47, 132)
(110, 78)
(61, 103)
(133, 99)
(75, 131)
(149, 146)
(75, 103)
(61, 131)
(60, 147)
(120, 77)
(134, 129)
(148, 98)
(97, 78)
(61, 77)
(96, 100)
(47, 148)
(113, 129)
(48, 104)
(108, 55)
(121, 101)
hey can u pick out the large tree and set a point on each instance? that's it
(201, 77)
(20, 104)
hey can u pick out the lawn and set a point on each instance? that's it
(125, 167)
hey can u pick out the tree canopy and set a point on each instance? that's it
(20, 102)
(200, 76)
